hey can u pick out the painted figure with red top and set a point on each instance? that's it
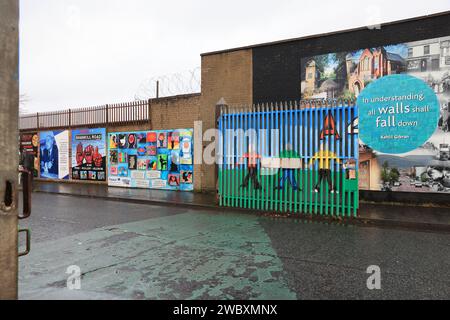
(252, 165)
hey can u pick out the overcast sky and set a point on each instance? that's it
(76, 53)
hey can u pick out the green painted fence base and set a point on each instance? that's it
(343, 202)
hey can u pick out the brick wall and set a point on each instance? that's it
(229, 76)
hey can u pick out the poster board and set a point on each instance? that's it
(54, 154)
(89, 154)
(158, 159)
(29, 143)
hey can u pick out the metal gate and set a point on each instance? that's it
(291, 157)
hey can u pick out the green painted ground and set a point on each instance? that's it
(184, 256)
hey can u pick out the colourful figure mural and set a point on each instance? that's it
(324, 159)
(308, 174)
(289, 168)
(252, 171)
(151, 159)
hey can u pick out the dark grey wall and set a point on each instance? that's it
(276, 67)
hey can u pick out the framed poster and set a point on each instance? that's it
(89, 154)
(29, 144)
(157, 159)
(54, 154)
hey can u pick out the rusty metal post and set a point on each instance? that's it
(149, 113)
(107, 116)
(9, 116)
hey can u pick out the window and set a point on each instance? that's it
(445, 52)
(426, 49)
(366, 64)
(410, 52)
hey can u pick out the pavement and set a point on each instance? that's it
(427, 218)
(127, 250)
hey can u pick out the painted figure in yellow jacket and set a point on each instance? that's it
(324, 158)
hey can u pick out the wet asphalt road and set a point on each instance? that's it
(135, 251)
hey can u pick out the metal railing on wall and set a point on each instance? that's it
(112, 114)
(290, 157)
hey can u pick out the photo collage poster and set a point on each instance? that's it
(29, 144)
(89, 154)
(159, 159)
(344, 75)
(54, 154)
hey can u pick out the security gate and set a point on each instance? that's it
(290, 157)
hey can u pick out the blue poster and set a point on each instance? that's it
(54, 154)
(397, 114)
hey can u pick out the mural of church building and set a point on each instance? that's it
(371, 65)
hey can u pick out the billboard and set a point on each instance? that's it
(54, 154)
(89, 154)
(161, 159)
(29, 143)
(409, 165)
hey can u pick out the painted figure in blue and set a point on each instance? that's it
(288, 173)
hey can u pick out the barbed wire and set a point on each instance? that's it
(170, 85)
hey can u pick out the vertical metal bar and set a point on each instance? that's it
(258, 151)
(350, 145)
(297, 153)
(341, 157)
(310, 154)
(245, 160)
(332, 112)
(266, 153)
(235, 174)
(314, 150)
(232, 167)
(275, 150)
(271, 133)
(263, 141)
(331, 141)
(226, 162)
(302, 138)
(236, 159)
(231, 157)
(283, 192)
(252, 126)
(322, 145)
(327, 142)
(356, 151)
(343, 152)
(221, 158)
(282, 148)
(291, 141)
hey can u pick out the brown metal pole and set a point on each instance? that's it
(157, 89)
(9, 111)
